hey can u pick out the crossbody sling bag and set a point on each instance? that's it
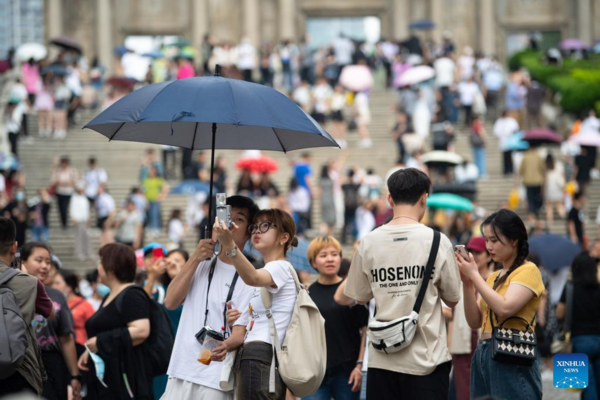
(393, 336)
(513, 346)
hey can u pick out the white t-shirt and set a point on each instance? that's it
(176, 230)
(93, 178)
(105, 205)
(466, 64)
(322, 95)
(282, 306)
(467, 92)
(504, 129)
(184, 359)
(444, 71)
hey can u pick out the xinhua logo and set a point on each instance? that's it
(571, 371)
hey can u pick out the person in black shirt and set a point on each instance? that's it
(585, 311)
(345, 327)
(118, 331)
(351, 203)
(575, 225)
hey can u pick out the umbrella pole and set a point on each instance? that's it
(210, 191)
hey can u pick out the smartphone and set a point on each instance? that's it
(157, 253)
(461, 249)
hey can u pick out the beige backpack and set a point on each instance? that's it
(302, 358)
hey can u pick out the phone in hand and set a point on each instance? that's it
(461, 249)
(158, 253)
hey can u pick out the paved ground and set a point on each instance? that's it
(551, 393)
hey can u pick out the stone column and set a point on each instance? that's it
(287, 19)
(252, 21)
(487, 27)
(199, 23)
(104, 42)
(584, 21)
(401, 19)
(437, 16)
(54, 26)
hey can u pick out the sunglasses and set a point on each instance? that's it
(263, 227)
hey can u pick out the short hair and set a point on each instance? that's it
(8, 234)
(244, 203)
(284, 224)
(71, 280)
(320, 243)
(406, 186)
(29, 247)
(119, 260)
(578, 195)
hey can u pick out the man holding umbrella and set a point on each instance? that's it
(206, 286)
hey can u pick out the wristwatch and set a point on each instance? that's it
(78, 377)
(232, 253)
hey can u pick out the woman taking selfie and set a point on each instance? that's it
(513, 295)
(272, 234)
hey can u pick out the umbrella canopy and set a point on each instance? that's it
(441, 156)
(67, 42)
(154, 54)
(56, 69)
(416, 75)
(258, 165)
(516, 142)
(590, 139)
(8, 162)
(449, 201)
(27, 51)
(556, 251)
(190, 186)
(211, 113)
(542, 136)
(422, 24)
(120, 50)
(356, 78)
(573, 44)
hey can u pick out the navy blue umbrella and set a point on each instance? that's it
(188, 113)
(190, 186)
(422, 24)
(121, 50)
(555, 251)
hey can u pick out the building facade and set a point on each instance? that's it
(493, 26)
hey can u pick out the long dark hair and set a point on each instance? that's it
(511, 226)
(585, 270)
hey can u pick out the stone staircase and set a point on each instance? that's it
(122, 159)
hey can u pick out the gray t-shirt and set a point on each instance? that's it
(48, 331)
(128, 228)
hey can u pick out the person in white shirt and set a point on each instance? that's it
(176, 230)
(129, 225)
(273, 234)
(246, 58)
(79, 211)
(466, 172)
(105, 210)
(343, 49)
(15, 111)
(93, 178)
(467, 92)
(504, 128)
(188, 378)
(445, 71)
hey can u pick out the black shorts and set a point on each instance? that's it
(383, 384)
(337, 116)
(319, 117)
(101, 221)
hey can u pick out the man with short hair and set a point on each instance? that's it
(204, 304)
(32, 299)
(93, 178)
(389, 266)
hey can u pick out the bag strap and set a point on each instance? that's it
(80, 302)
(211, 272)
(428, 271)
(267, 299)
(569, 316)
(229, 297)
(8, 275)
(501, 325)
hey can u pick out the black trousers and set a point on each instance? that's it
(63, 208)
(383, 384)
(55, 388)
(252, 368)
(15, 383)
(14, 142)
(507, 162)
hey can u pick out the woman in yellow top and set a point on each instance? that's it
(516, 293)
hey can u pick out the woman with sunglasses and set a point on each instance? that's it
(272, 233)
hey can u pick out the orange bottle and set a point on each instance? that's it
(204, 357)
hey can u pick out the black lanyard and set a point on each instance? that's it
(211, 272)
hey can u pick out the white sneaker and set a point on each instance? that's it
(28, 140)
(365, 143)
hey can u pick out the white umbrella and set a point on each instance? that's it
(440, 156)
(27, 51)
(588, 138)
(416, 75)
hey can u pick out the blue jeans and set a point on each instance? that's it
(39, 234)
(504, 381)
(154, 215)
(480, 160)
(335, 385)
(590, 345)
(363, 388)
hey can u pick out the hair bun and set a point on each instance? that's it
(294, 242)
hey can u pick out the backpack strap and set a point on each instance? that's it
(428, 271)
(8, 275)
(267, 299)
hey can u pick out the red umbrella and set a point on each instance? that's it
(257, 164)
(120, 82)
(542, 136)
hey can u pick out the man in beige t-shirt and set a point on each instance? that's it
(389, 266)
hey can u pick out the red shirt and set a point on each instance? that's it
(81, 310)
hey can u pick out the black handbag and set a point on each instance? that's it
(513, 346)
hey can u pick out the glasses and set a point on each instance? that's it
(263, 227)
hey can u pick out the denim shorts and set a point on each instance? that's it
(503, 381)
(252, 369)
